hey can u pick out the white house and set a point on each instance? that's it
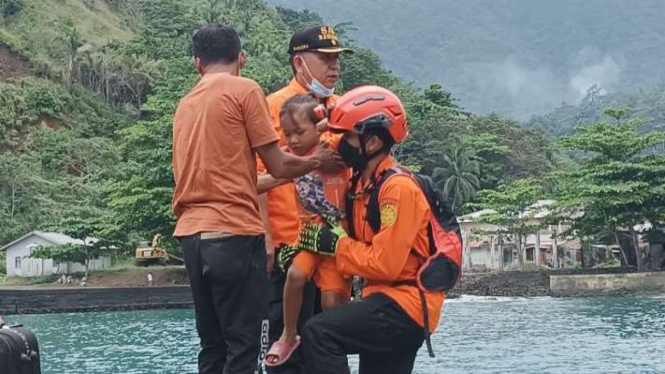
(19, 263)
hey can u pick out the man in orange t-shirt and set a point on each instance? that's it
(314, 55)
(218, 128)
(385, 327)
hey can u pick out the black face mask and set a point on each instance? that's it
(356, 158)
(352, 156)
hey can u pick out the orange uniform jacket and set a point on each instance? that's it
(396, 252)
(283, 217)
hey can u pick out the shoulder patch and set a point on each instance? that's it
(388, 215)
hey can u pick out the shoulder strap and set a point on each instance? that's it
(373, 208)
(348, 205)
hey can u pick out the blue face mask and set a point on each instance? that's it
(316, 87)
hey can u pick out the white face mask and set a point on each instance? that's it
(316, 87)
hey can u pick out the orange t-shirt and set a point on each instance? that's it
(390, 255)
(283, 219)
(216, 129)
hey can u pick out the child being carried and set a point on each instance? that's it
(321, 198)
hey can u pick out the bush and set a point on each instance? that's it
(47, 99)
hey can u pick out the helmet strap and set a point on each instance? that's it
(364, 155)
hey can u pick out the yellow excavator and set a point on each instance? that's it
(152, 253)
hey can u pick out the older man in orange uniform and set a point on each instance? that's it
(314, 55)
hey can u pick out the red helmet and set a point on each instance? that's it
(369, 107)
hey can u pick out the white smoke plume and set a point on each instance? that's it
(604, 74)
(523, 89)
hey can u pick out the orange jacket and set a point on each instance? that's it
(397, 251)
(283, 216)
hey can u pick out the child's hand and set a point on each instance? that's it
(285, 256)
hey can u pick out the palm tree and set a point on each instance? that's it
(139, 74)
(458, 177)
(71, 39)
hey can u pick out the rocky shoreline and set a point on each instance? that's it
(535, 284)
(515, 284)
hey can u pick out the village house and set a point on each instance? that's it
(484, 250)
(20, 264)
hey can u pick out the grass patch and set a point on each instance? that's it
(37, 29)
(9, 39)
(127, 268)
(93, 18)
(123, 264)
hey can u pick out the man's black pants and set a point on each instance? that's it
(375, 327)
(230, 288)
(295, 364)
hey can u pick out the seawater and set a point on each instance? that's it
(476, 336)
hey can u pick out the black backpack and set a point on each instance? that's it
(441, 270)
(19, 351)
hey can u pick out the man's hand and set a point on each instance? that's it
(321, 239)
(270, 260)
(322, 126)
(265, 183)
(329, 161)
(270, 246)
(282, 165)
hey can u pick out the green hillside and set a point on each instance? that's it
(86, 112)
(512, 57)
(33, 26)
(57, 136)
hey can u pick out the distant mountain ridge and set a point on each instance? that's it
(512, 57)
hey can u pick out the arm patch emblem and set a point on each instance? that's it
(388, 215)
